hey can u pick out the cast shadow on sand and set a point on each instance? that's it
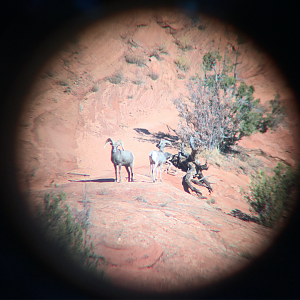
(95, 180)
(144, 135)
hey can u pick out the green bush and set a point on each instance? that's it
(270, 197)
(218, 111)
(66, 231)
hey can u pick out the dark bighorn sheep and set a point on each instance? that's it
(157, 159)
(121, 158)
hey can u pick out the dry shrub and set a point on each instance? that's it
(182, 63)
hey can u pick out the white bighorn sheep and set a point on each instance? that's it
(157, 159)
(121, 158)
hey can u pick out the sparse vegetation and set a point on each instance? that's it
(153, 75)
(247, 255)
(134, 59)
(66, 231)
(182, 63)
(272, 197)
(68, 90)
(63, 83)
(116, 78)
(140, 198)
(155, 54)
(137, 82)
(202, 27)
(183, 43)
(133, 43)
(80, 107)
(50, 73)
(103, 192)
(95, 88)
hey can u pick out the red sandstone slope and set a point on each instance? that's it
(102, 85)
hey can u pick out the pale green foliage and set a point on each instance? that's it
(269, 196)
(219, 112)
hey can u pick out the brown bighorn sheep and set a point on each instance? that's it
(157, 159)
(121, 158)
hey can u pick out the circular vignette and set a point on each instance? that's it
(260, 278)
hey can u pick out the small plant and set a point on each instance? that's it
(137, 82)
(155, 54)
(63, 83)
(140, 198)
(95, 88)
(68, 90)
(103, 192)
(247, 255)
(271, 197)
(50, 73)
(202, 27)
(275, 117)
(212, 200)
(133, 43)
(182, 63)
(116, 78)
(153, 75)
(133, 59)
(183, 44)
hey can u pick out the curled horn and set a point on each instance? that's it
(120, 142)
(109, 140)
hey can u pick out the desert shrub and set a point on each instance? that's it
(274, 117)
(153, 75)
(134, 59)
(68, 232)
(183, 44)
(137, 82)
(270, 197)
(116, 78)
(202, 27)
(95, 88)
(182, 63)
(63, 83)
(218, 112)
(155, 54)
(50, 73)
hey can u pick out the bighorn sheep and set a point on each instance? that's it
(157, 159)
(121, 158)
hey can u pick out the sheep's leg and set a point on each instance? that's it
(116, 174)
(131, 170)
(120, 178)
(127, 169)
(155, 171)
(161, 172)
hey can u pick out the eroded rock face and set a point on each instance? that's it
(118, 79)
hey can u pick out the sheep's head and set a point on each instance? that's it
(164, 142)
(109, 140)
